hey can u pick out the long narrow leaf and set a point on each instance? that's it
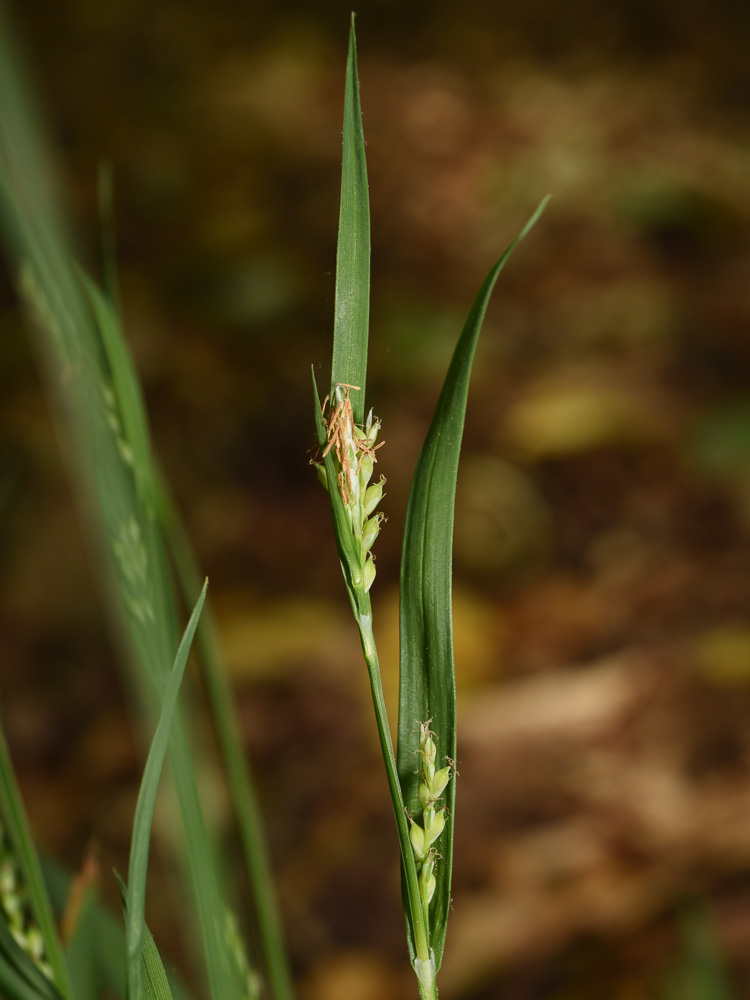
(427, 686)
(127, 391)
(88, 380)
(152, 981)
(351, 321)
(144, 812)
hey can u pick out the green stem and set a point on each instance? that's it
(426, 975)
(418, 917)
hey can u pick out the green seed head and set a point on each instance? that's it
(418, 841)
(427, 881)
(432, 784)
(35, 943)
(370, 533)
(373, 495)
(369, 573)
(372, 427)
(434, 824)
(439, 781)
(427, 750)
(366, 465)
(320, 472)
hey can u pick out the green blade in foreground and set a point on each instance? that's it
(144, 812)
(152, 978)
(99, 939)
(427, 686)
(155, 982)
(265, 907)
(351, 321)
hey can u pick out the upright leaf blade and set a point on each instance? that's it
(351, 321)
(144, 812)
(427, 686)
(265, 906)
(99, 934)
(349, 367)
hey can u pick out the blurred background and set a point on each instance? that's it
(602, 551)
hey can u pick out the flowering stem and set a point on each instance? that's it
(424, 961)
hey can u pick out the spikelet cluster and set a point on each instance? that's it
(14, 908)
(432, 784)
(354, 448)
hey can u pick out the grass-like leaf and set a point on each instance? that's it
(351, 319)
(151, 982)
(97, 940)
(427, 686)
(144, 812)
(93, 385)
(265, 908)
(156, 984)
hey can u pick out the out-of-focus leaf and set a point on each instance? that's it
(144, 812)
(20, 979)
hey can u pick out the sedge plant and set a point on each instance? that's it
(56, 940)
(423, 795)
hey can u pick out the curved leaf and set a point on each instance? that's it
(144, 811)
(427, 685)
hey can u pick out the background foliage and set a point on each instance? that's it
(602, 550)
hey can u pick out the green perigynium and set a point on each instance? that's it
(353, 448)
(432, 784)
